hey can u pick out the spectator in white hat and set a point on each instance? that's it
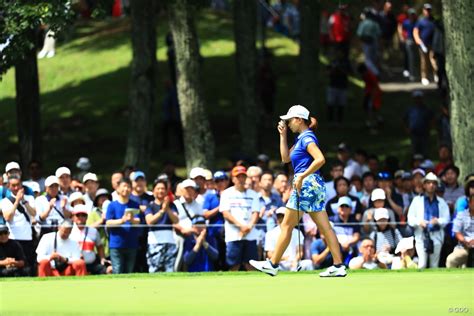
(198, 175)
(406, 251)
(76, 198)
(64, 176)
(13, 168)
(91, 184)
(378, 200)
(385, 237)
(294, 251)
(51, 207)
(188, 208)
(428, 215)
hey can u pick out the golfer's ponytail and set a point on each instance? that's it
(313, 123)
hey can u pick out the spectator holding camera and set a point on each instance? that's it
(89, 242)
(200, 251)
(160, 215)
(12, 258)
(18, 210)
(428, 215)
(59, 255)
(121, 216)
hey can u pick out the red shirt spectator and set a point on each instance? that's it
(339, 29)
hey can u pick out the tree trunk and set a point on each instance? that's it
(28, 106)
(309, 54)
(245, 20)
(459, 38)
(198, 139)
(143, 84)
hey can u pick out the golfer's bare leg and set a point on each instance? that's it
(322, 221)
(289, 222)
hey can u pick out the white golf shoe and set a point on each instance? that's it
(264, 266)
(332, 271)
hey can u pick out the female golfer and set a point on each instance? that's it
(308, 190)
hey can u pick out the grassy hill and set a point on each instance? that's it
(84, 98)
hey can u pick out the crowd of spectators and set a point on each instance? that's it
(383, 217)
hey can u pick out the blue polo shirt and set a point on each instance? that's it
(426, 29)
(317, 247)
(203, 260)
(408, 27)
(124, 236)
(300, 158)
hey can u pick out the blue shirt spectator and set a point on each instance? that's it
(408, 27)
(124, 236)
(319, 247)
(426, 27)
(200, 251)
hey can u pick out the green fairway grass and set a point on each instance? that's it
(434, 292)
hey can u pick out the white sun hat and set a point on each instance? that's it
(296, 111)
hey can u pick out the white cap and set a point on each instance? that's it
(404, 244)
(381, 213)
(75, 196)
(378, 194)
(90, 176)
(33, 185)
(188, 183)
(208, 174)
(79, 209)
(51, 180)
(430, 177)
(296, 111)
(197, 172)
(281, 210)
(344, 200)
(419, 171)
(11, 166)
(62, 170)
(254, 171)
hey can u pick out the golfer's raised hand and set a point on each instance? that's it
(282, 128)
